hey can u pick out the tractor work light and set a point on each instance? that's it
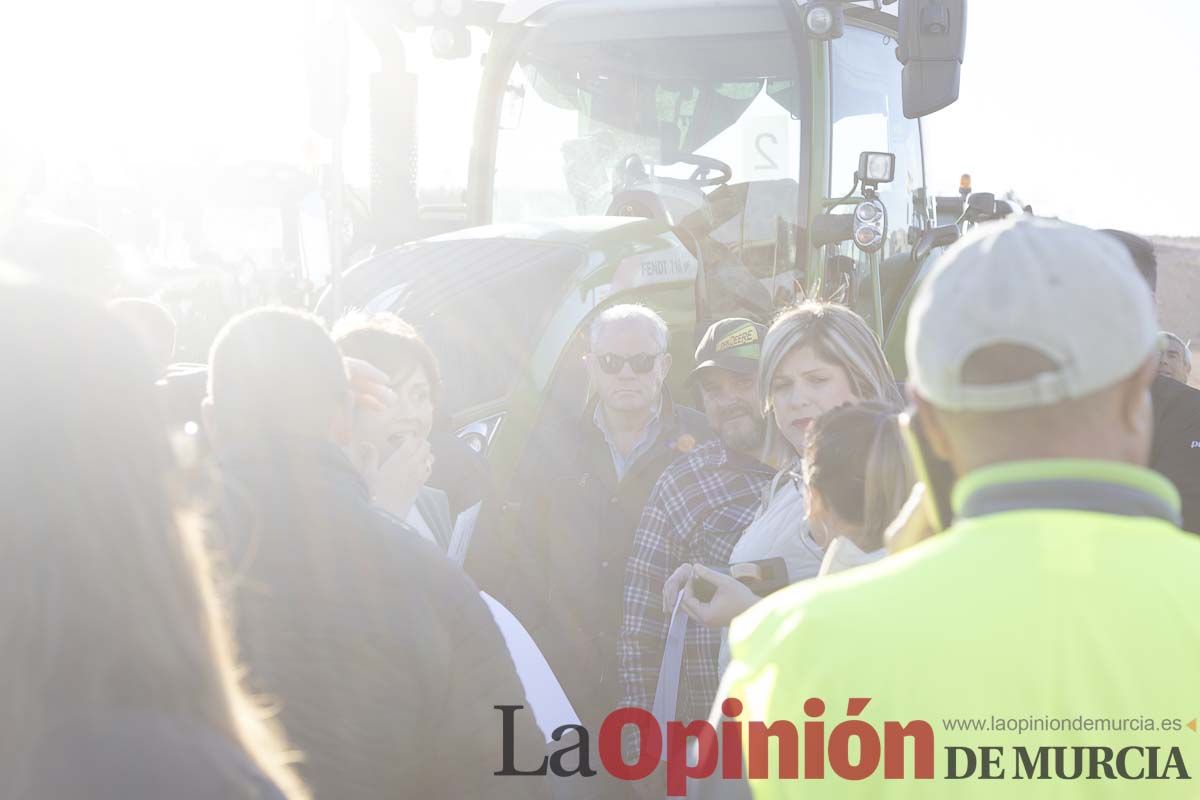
(876, 168)
(823, 20)
(870, 225)
(424, 9)
(450, 43)
(452, 8)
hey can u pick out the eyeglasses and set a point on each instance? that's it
(641, 363)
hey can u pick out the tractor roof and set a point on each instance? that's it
(522, 11)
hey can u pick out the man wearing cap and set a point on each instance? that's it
(1063, 587)
(696, 514)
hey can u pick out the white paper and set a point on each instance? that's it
(460, 539)
(666, 693)
(548, 702)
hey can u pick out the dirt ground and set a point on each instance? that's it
(1179, 291)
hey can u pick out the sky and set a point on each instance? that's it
(1088, 110)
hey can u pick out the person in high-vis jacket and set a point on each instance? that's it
(1055, 620)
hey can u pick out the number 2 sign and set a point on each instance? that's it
(765, 147)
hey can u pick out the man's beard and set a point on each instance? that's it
(742, 429)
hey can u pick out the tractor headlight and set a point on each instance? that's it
(823, 20)
(866, 212)
(870, 225)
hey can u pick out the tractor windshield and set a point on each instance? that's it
(647, 120)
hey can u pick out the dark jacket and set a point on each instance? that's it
(141, 756)
(578, 523)
(383, 659)
(1176, 451)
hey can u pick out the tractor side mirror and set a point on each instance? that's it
(941, 236)
(933, 36)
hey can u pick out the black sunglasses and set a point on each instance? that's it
(613, 364)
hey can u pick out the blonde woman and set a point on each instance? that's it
(118, 676)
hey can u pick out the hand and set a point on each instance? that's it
(674, 586)
(731, 598)
(370, 385)
(395, 483)
(911, 525)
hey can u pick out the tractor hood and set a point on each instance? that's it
(502, 302)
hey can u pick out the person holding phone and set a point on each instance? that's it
(856, 475)
(1063, 584)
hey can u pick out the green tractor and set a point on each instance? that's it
(707, 158)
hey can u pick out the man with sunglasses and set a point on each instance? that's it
(580, 510)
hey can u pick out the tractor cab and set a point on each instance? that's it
(707, 158)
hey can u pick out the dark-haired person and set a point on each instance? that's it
(384, 661)
(153, 323)
(62, 252)
(856, 475)
(394, 347)
(1176, 450)
(118, 675)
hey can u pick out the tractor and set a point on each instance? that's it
(707, 158)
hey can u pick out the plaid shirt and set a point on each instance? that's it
(696, 513)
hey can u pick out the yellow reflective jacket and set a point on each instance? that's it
(1057, 621)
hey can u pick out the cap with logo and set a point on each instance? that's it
(734, 344)
(1068, 293)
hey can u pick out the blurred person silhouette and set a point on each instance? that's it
(62, 252)
(1176, 449)
(1175, 357)
(1063, 577)
(153, 324)
(119, 677)
(384, 661)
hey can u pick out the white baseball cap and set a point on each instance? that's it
(1069, 293)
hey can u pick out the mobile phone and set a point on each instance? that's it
(935, 473)
(763, 577)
